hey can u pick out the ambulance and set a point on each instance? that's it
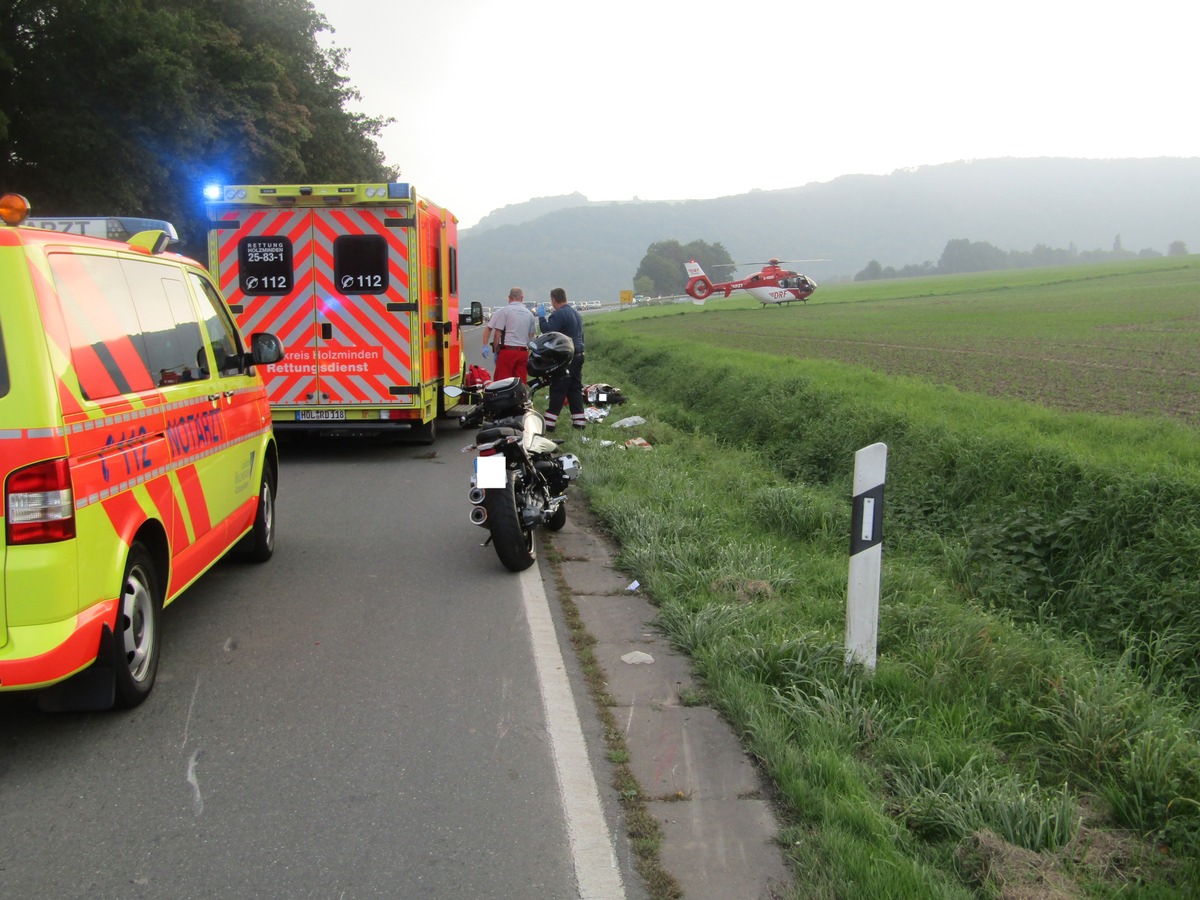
(360, 283)
(136, 450)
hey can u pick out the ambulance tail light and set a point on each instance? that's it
(39, 504)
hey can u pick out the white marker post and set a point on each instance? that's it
(866, 552)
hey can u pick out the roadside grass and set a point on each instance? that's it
(1084, 522)
(1020, 729)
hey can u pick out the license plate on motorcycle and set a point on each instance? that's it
(490, 472)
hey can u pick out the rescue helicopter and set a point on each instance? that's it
(773, 285)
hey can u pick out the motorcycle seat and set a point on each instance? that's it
(487, 435)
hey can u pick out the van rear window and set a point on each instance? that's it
(360, 264)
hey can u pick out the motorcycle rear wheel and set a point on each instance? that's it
(514, 545)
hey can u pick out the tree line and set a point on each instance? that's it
(963, 255)
(129, 107)
(661, 272)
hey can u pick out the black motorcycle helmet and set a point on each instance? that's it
(549, 354)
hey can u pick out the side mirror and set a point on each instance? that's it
(474, 316)
(265, 348)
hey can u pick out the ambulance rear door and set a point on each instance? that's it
(365, 307)
(263, 266)
(333, 286)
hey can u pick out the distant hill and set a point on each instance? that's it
(519, 213)
(593, 248)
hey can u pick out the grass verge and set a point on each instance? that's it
(999, 745)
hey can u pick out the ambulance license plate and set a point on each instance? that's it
(320, 415)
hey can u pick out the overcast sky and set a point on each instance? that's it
(499, 102)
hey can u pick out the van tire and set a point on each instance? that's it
(136, 634)
(425, 433)
(259, 544)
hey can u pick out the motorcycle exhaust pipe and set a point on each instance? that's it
(475, 496)
(478, 515)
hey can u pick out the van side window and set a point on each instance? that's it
(187, 327)
(222, 333)
(107, 348)
(170, 328)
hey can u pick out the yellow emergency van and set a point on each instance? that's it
(136, 449)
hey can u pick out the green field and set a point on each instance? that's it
(1031, 729)
(1113, 339)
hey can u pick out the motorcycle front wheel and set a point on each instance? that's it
(514, 544)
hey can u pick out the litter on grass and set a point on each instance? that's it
(629, 422)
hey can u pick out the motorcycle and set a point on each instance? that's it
(520, 479)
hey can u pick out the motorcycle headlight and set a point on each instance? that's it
(570, 466)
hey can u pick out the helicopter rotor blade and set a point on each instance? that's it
(769, 262)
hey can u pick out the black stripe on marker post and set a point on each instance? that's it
(866, 520)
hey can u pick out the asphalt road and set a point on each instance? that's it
(359, 717)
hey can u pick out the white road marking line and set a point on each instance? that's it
(597, 873)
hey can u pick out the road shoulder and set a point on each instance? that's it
(707, 796)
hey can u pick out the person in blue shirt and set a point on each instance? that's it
(567, 387)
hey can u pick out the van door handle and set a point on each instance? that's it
(326, 331)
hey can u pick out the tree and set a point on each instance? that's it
(1177, 248)
(663, 264)
(963, 255)
(130, 106)
(873, 271)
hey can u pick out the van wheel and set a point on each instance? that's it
(259, 545)
(136, 647)
(426, 433)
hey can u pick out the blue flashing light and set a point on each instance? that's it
(212, 192)
(399, 190)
